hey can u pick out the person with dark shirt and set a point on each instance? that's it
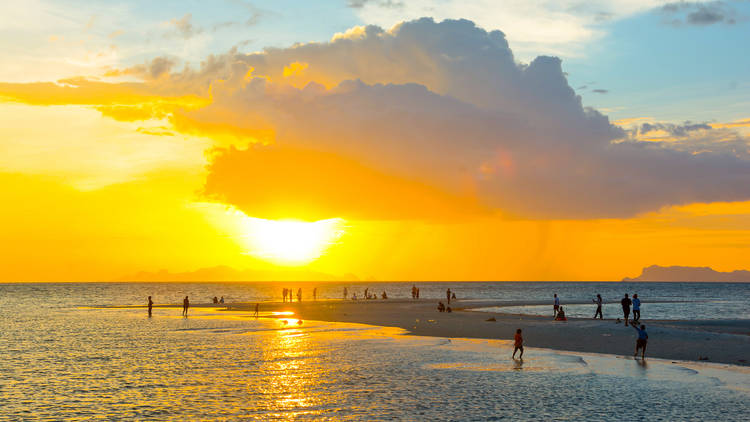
(642, 341)
(384, 295)
(518, 344)
(598, 302)
(636, 308)
(150, 305)
(315, 293)
(216, 299)
(299, 295)
(448, 296)
(185, 306)
(346, 293)
(441, 307)
(626, 302)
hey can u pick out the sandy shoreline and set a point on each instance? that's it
(721, 341)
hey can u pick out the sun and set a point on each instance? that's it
(289, 241)
(281, 242)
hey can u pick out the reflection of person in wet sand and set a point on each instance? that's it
(150, 305)
(185, 306)
(642, 341)
(518, 344)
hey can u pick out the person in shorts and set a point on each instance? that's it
(518, 344)
(556, 306)
(626, 302)
(642, 341)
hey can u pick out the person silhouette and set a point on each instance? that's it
(598, 302)
(150, 305)
(517, 344)
(185, 306)
(315, 293)
(256, 310)
(299, 295)
(448, 296)
(626, 302)
(636, 308)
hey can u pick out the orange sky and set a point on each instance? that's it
(103, 177)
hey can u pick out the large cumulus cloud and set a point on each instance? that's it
(440, 108)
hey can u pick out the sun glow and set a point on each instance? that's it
(290, 241)
(283, 242)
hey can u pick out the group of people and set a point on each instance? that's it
(186, 306)
(290, 294)
(559, 314)
(218, 301)
(414, 292)
(367, 295)
(442, 308)
(626, 303)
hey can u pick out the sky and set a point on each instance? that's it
(376, 139)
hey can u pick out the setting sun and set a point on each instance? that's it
(288, 242)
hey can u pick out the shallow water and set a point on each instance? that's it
(59, 361)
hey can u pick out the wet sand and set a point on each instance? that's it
(720, 341)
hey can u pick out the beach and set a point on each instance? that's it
(718, 341)
(82, 351)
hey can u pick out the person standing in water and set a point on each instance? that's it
(299, 294)
(346, 293)
(517, 344)
(448, 296)
(642, 341)
(626, 302)
(556, 306)
(636, 309)
(256, 310)
(315, 293)
(150, 305)
(185, 306)
(284, 293)
(598, 302)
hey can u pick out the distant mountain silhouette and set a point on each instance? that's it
(677, 273)
(225, 273)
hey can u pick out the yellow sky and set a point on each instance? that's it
(101, 178)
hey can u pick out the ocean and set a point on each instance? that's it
(65, 355)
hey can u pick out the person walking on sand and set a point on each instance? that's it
(299, 295)
(448, 296)
(284, 299)
(556, 306)
(598, 302)
(517, 344)
(636, 308)
(150, 305)
(641, 342)
(256, 310)
(626, 302)
(346, 292)
(185, 306)
(315, 293)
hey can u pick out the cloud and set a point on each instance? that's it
(561, 27)
(428, 120)
(699, 13)
(184, 26)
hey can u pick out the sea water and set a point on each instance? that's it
(63, 358)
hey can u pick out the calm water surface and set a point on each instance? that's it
(61, 361)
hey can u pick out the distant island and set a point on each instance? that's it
(225, 273)
(694, 274)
